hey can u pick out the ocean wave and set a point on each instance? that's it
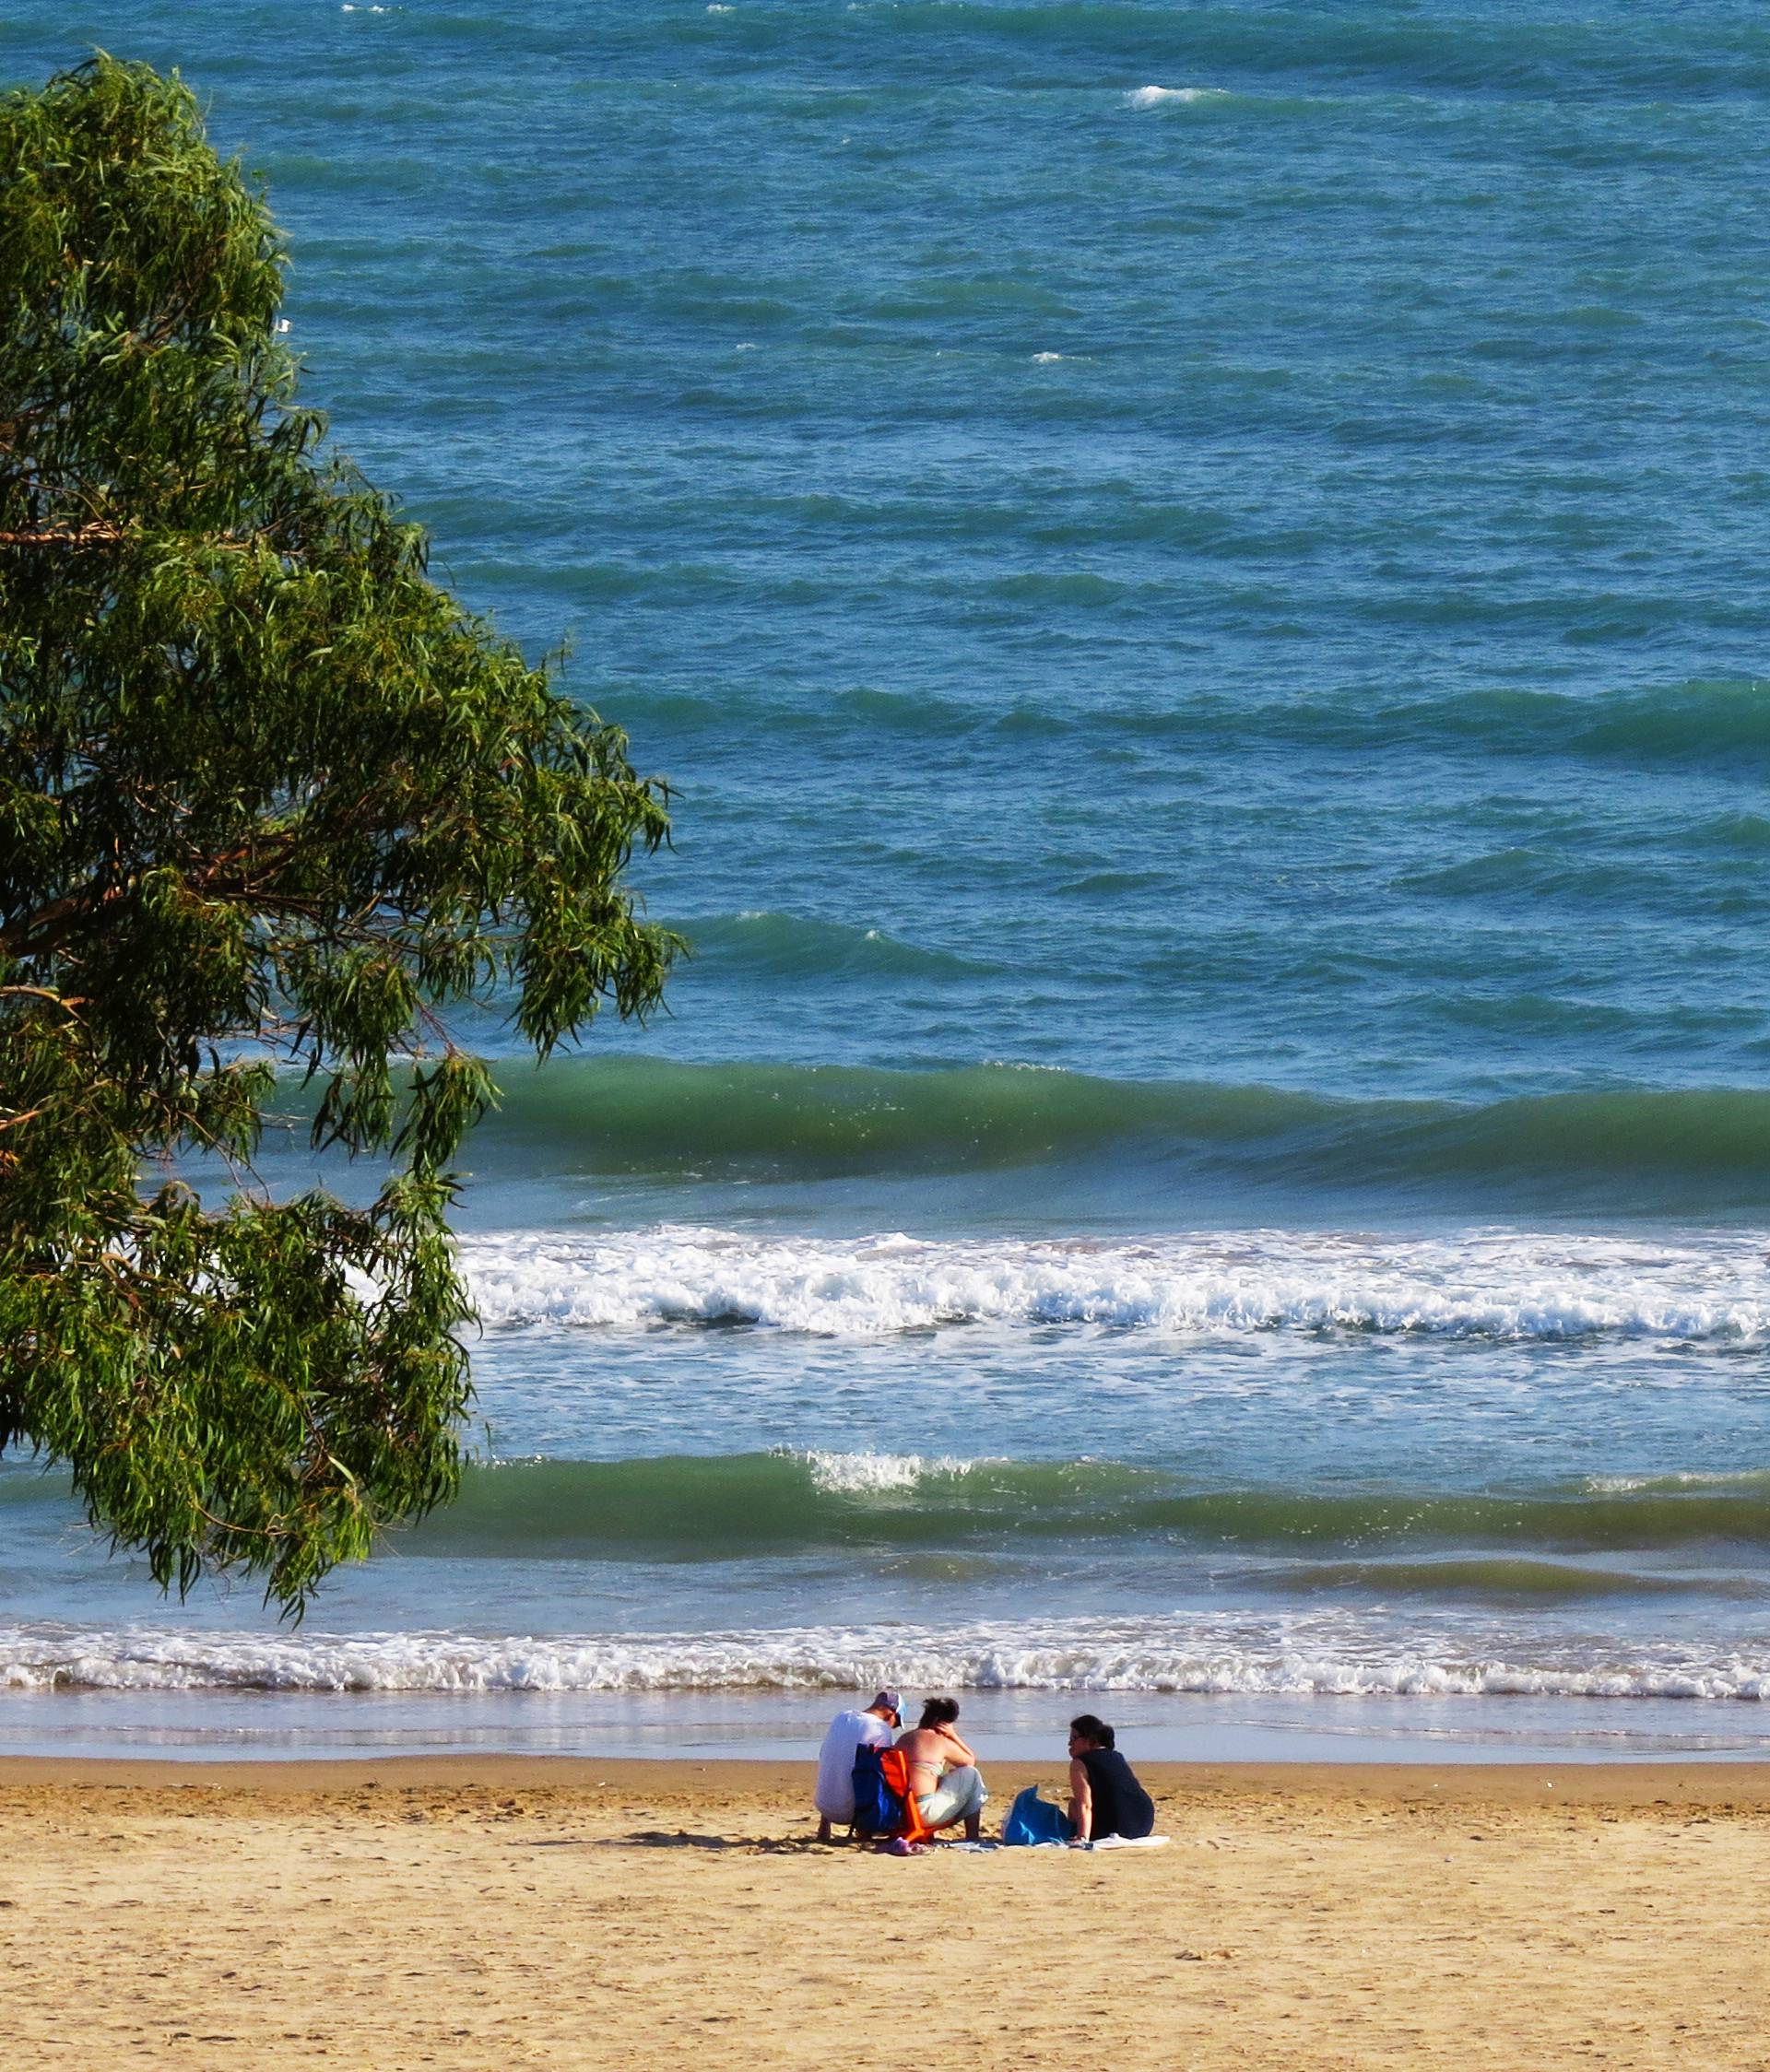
(1636, 1485)
(1508, 1579)
(1699, 1536)
(1701, 722)
(1643, 1149)
(1156, 97)
(1508, 1286)
(1629, 54)
(642, 1116)
(1696, 722)
(739, 1506)
(1123, 1655)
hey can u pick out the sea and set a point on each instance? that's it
(1197, 573)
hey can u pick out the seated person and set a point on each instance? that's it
(943, 1773)
(1105, 1797)
(870, 1727)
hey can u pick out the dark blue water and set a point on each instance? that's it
(1217, 551)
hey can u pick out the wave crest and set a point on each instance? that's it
(845, 1474)
(1156, 97)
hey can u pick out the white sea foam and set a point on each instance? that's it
(1497, 1285)
(1154, 97)
(1045, 358)
(1635, 1485)
(863, 1473)
(1204, 1656)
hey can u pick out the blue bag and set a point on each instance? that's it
(1032, 1820)
(877, 1808)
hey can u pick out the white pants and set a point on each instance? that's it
(960, 1794)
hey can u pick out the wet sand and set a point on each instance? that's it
(482, 1913)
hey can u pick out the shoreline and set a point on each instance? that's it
(1635, 1786)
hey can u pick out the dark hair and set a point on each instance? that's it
(1092, 1729)
(940, 1712)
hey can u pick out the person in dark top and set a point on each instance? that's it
(1104, 1796)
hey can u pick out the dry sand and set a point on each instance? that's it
(508, 1913)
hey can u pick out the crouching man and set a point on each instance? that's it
(872, 1727)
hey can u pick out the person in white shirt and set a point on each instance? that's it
(872, 1727)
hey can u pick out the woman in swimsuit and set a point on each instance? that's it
(944, 1777)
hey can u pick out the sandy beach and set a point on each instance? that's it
(486, 1912)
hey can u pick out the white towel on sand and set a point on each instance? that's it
(1106, 1842)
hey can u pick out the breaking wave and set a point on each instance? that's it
(1503, 1286)
(1203, 1658)
(1154, 97)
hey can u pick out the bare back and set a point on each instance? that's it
(932, 1752)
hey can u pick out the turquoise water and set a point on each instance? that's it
(1197, 573)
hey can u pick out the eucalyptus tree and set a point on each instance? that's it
(272, 802)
